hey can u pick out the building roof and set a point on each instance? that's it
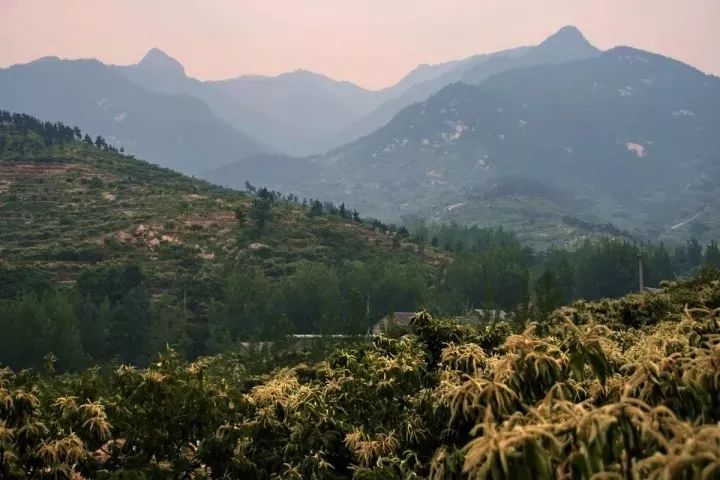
(653, 290)
(392, 321)
(403, 317)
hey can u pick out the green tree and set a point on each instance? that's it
(657, 265)
(167, 328)
(312, 297)
(316, 209)
(397, 286)
(548, 292)
(712, 254)
(261, 211)
(64, 336)
(694, 255)
(112, 283)
(247, 304)
(36, 325)
(605, 268)
(94, 321)
(129, 326)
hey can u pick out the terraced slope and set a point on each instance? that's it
(72, 206)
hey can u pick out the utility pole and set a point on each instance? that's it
(640, 272)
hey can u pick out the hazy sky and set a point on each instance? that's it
(371, 42)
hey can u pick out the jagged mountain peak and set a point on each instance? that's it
(156, 59)
(567, 37)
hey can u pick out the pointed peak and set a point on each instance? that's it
(567, 36)
(159, 60)
(570, 30)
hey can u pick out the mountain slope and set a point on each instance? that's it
(66, 206)
(623, 137)
(158, 72)
(311, 107)
(422, 74)
(176, 131)
(294, 112)
(565, 45)
(415, 93)
(106, 258)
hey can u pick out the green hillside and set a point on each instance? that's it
(71, 206)
(107, 259)
(109, 230)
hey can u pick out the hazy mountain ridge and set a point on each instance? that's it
(177, 131)
(566, 44)
(296, 113)
(308, 107)
(628, 133)
(161, 73)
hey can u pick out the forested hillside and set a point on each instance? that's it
(135, 256)
(105, 258)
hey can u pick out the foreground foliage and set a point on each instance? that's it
(626, 388)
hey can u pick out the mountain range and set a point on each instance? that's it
(555, 141)
(173, 130)
(616, 141)
(297, 113)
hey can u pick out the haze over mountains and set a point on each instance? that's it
(296, 113)
(552, 140)
(548, 148)
(178, 131)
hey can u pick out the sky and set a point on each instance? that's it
(373, 43)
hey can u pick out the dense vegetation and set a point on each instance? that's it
(24, 136)
(108, 259)
(110, 313)
(623, 388)
(136, 255)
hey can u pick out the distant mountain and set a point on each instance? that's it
(177, 131)
(158, 64)
(266, 169)
(297, 113)
(624, 137)
(310, 107)
(159, 72)
(565, 45)
(304, 113)
(421, 74)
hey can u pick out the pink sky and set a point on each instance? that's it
(370, 42)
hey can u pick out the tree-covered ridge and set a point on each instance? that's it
(107, 259)
(24, 136)
(109, 240)
(624, 388)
